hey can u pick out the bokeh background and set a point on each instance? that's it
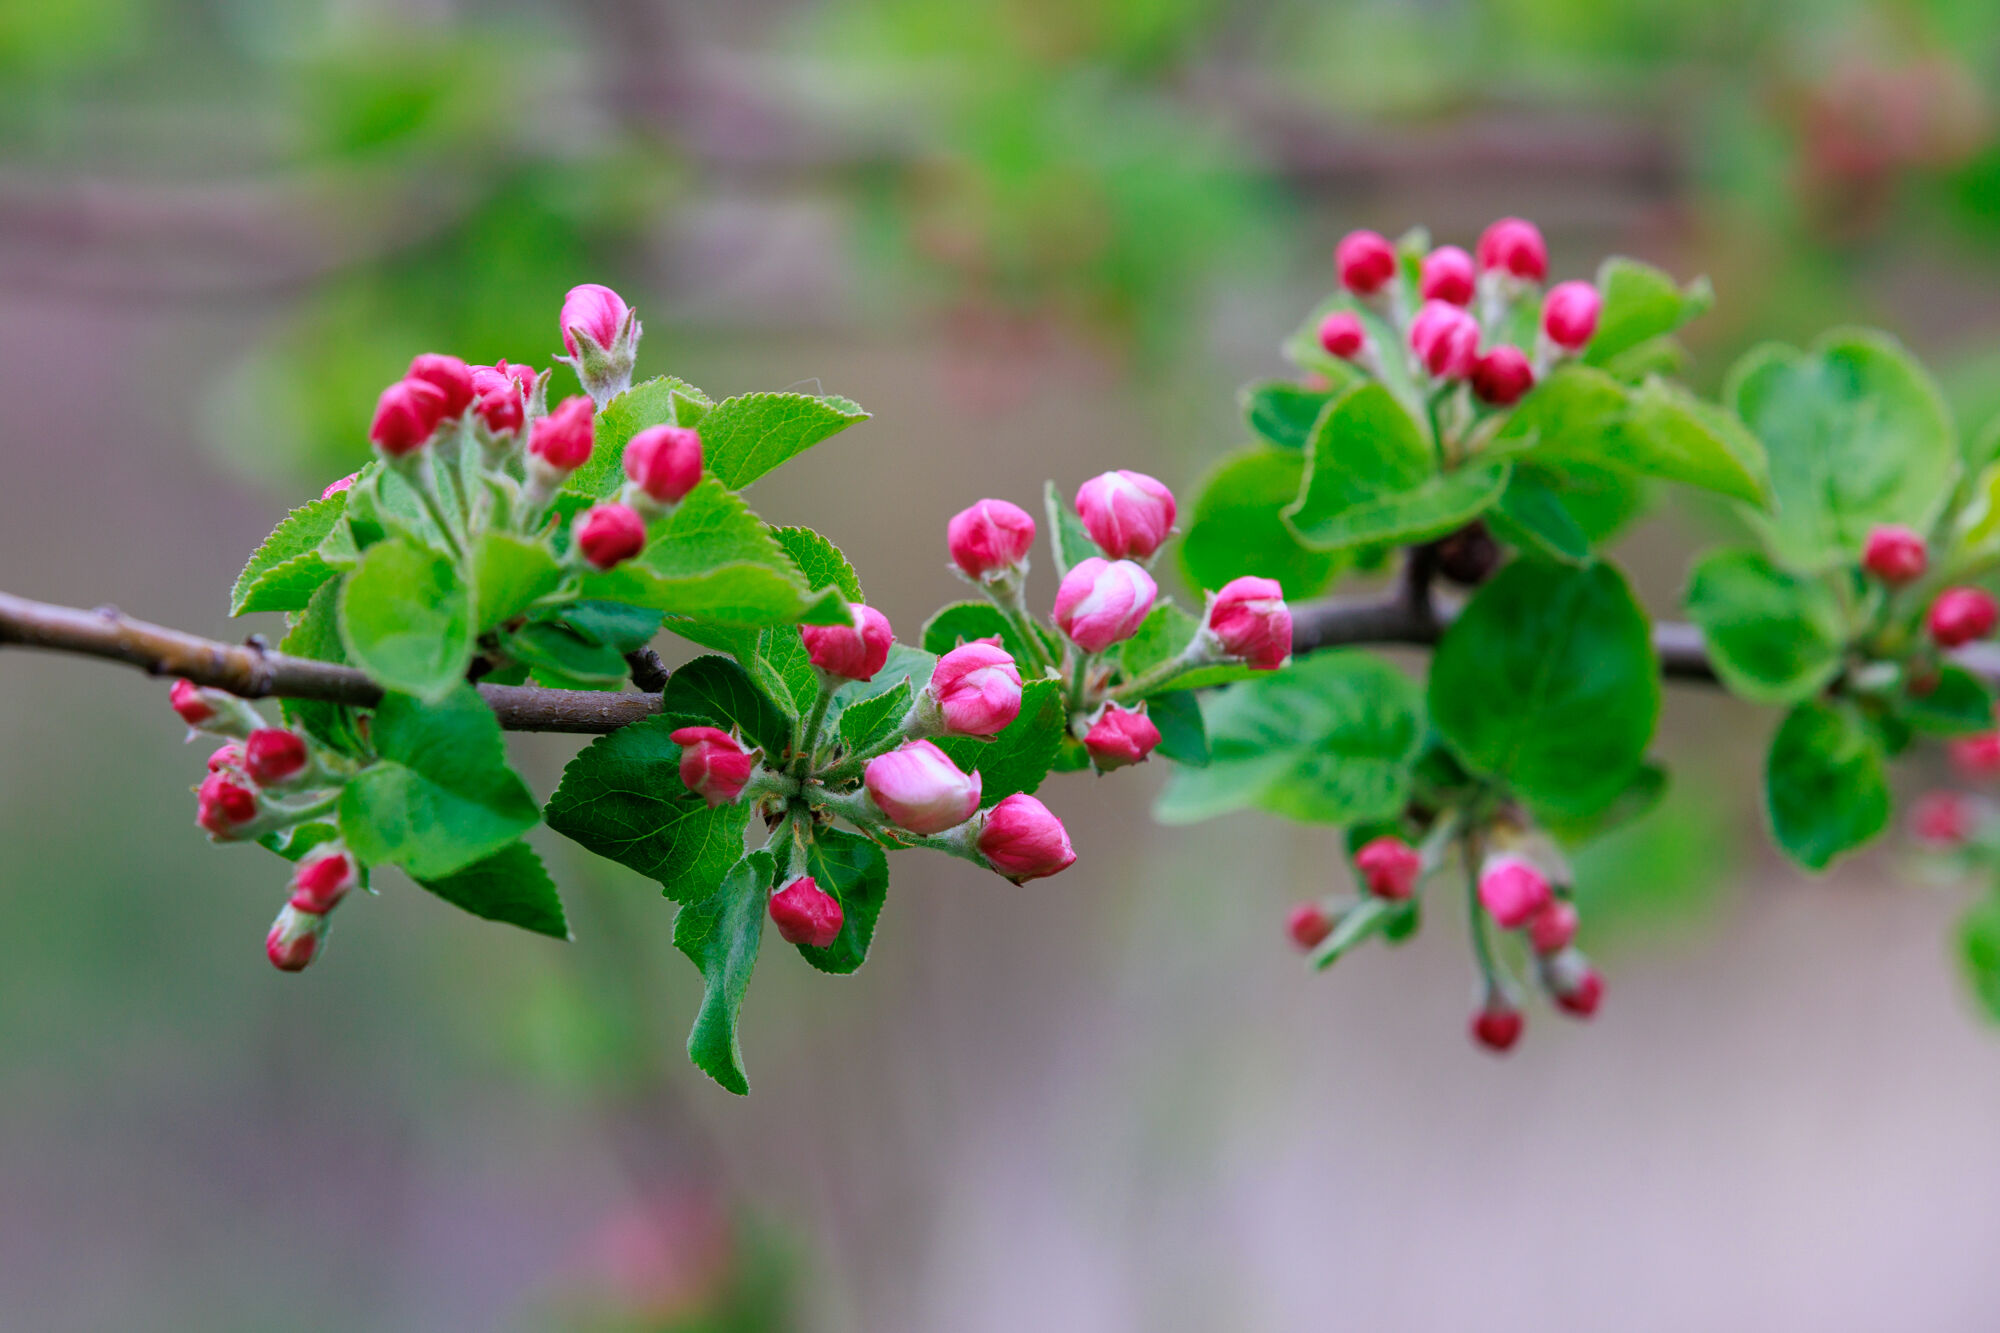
(1036, 238)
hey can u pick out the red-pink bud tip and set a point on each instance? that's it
(1445, 339)
(1503, 376)
(1961, 615)
(273, 755)
(1365, 260)
(1943, 819)
(1128, 514)
(406, 415)
(563, 438)
(609, 534)
(854, 651)
(714, 764)
(1343, 334)
(1511, 890)
(1307, 924)
(334, 488)
(595, 310)
(1447, 276)
(223, 804)
(1102, 602)
(1497, 1029)
(322, 879)
(1022, 840)
(501, 410)
(186, 698)
(1551, 929)
(226, 756)
(977, 689)
(1119, 738)
(1579, 993)
(1515, 247)
(991, 537)
(1569, 315)
(294, 939)
(1977, 758)
(1895, 554)
(665, 462)
(450, 376)
(920, 789)
(1389, 867)
(1249, 620)
(806, 914)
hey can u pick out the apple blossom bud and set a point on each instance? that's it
(503, 375)
(334, 488)
(1977, 758)
(595, 311)
(1307, 924)
(501, 410)
(1020, 839)
(714, 764)
(1248, 619)
(449, 376)
(1551, 929)
(610, 533)
(1943, 819)
(601, 334)
(562, 440)
(1120, 737)
(664, 462)
(1503, 376)
(1512, 890)
(1102, 602)
(1126, 513)
(1569, 315)
(191, 702)
(991, 539)
(1343, 334)
(1445, 339)
(1389, 867)
(1575, 984)
(854, 651)
(1447, 276)
(294, 939)
(323, 878)
(216, 711)
(976, 689)
(1960, 615)
(273, 756)
(1497, 1026)
(806, 914)
(223, 805)
(406, 415)
(1365, 260)
(920, 789)
(1514, 247)
(1895, 554)
(225, 757)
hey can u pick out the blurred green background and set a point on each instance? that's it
(1035, 238)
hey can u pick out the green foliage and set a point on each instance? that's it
(1773, 636)
(1642, 308)
(510, 574)
(1282, 412)
(1826, 786)
(721, 691)
(511, 886)
(406, 618)
(1021, 755)
(720, 933)
(654, 402)
(1067, 535)
(1234, 527)
(743, 438)
(287, 569)
(856, 873)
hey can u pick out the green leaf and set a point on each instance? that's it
(612, 624)
(1067, 536)
(284, 572)
(1329, 739)
(869, 722)
(1183, 739)
(1825, 785)
(1162, 635)
(720, 934)
(1283, 412)
(1021, 755)
(1857, 435)
(622, 797)
(1774, 637)
(1372, 477)
(1235, 527)
(1670, 434)
(1569, 414)
(820, 561)
(1531, 514)
(406, 618)
(1979, 953)
(720, 690)
(963, 622)
(563, 659)
(315, 633)
(1548, 681)
(441, 796)
(1640, 304)
(743, 438)
(511, 886)
(509, 574)
(855, 871)
(1959, 705)
(650, 403)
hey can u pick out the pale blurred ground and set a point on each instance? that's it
(1110, 1101)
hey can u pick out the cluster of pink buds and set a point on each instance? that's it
(1515, 893)
(1388, 869)
(1897, 557)
(1442, 323)
(323, 877)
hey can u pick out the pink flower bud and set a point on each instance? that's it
(1307, 924)
(1497, 1026)
(854, 651)
(1943, 819)
(1389, 867)
(1551, 929)
(226, 757)
(294, 939)
(595, 310)
(1503, 376)
(501, 410)
(920, 789)
(449, 376)
(1022, 840)
(610, 534)
(323, 879)
(1960, 615)
(714, 764)
(992, 537)
(223, 804)
(1445, 339)
(406, 415)
(1977, 758)
(1365, 260)
(1569, 315)
(503, 375)
(1343, 334)
(806, 914)
(1577, 987)
(1120, 737)
(1514, 247)
(977, 689)
(562, 439)
(336, 487)
(1102, 602)
(1447, 276)
(1126, 513)
(1895, 554)
(191, 702)
(1248, 619)
(665, 462)
(273, 756)
(1512, 890)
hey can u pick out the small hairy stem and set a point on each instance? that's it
(809, 736)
